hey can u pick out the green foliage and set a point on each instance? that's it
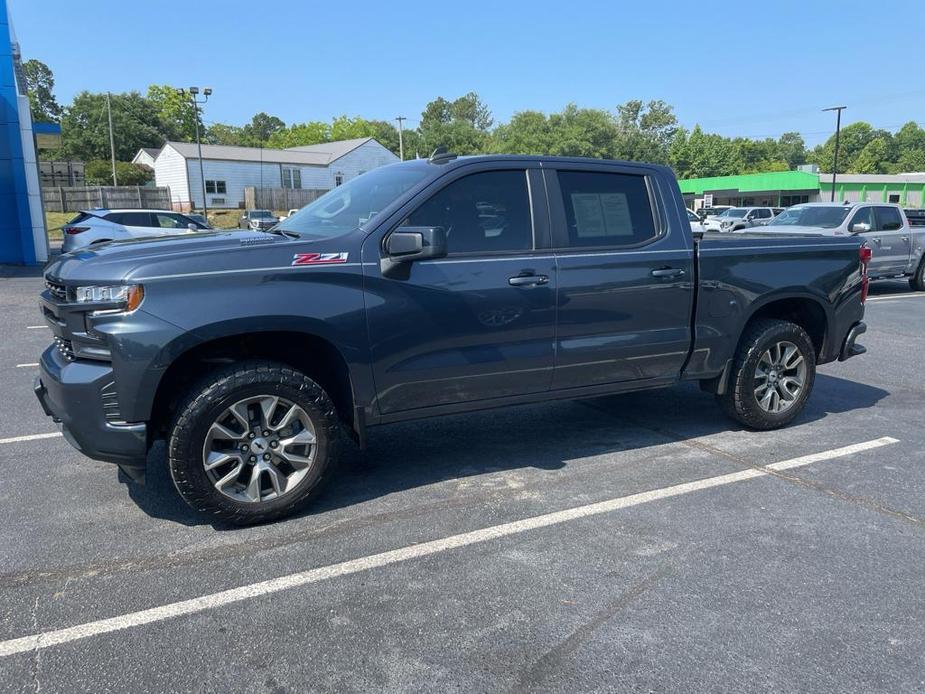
(176, 111)
(85, 131)
(40, 83)
(98, 172)
(461, 125)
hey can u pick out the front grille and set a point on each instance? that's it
(110, 402)
(56, 289)
(65, 348)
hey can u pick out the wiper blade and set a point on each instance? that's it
(284, 232)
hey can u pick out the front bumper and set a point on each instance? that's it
(849, 347)
(73, 394)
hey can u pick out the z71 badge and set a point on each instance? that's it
(319, 258)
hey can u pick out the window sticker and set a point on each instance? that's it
(602, 214)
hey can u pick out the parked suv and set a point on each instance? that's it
(738, 218)
(897, 248)
(424, 288)
(95, 226)
(258, 220)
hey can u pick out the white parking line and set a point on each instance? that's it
(32, 437)
(27, 366)
(35, 327)
(214, 600)
(887, 297)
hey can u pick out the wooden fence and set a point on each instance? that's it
(74, 198)
(279, 198)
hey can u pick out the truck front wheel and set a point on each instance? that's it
(772, 375)
(252, 442)
(917, 281)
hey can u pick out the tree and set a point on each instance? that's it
(700, 154)
(852, 140)
(261, 128)
(792, 149)
(40, 83)
(98, 172)
(298, 134)
(874, 158)
(223, 134)
(176, 111)
(85, 132)
(645, 131)
(462, 125)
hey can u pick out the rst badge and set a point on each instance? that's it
(319, 258)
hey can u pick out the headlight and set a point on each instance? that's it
(127, 297)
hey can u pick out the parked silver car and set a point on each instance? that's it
(258, 220)
(897, 249)
(739, 218)
(95, 226)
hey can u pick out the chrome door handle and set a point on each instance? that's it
(905, 238)
(668, 272)
(528, 280)
(877, 240)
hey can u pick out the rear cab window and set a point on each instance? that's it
(605, 210)
(888, 219)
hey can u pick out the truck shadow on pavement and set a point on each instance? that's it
(460, 448)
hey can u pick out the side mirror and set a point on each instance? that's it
(859, 227)
(192, 227)
(407, 244)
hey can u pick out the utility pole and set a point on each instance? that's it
(112, 140)
(193, 91)
(838, 110)
(401, 142)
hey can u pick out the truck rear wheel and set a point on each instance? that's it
(917, 281)
(252, 442)
(772, 375)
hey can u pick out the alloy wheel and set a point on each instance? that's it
(780, 377)
(259, 448)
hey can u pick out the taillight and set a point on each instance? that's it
(864, 253)
(74, 230)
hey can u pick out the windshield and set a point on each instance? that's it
(824, 217)
(735, 212)
(346, 207)
(260, 214)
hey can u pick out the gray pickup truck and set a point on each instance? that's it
(425, 288)
(897, 248)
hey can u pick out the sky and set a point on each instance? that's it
(737, 68)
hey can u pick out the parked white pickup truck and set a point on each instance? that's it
(898, 250)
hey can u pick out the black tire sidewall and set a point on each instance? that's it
(208, 400)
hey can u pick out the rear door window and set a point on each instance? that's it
(606, 209)
(169, 221)
(133, 219)
(486, 212)
(888, 219)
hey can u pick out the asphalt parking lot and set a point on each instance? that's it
(633, 543)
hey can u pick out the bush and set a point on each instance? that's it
(98, 172)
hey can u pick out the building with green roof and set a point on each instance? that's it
(785, 188)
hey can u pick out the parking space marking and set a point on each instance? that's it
(32, 437)
(888, 297)
(35, 327)
(27, 366)
(254, 590)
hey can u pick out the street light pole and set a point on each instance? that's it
(838, 110)
(193, 91)
(401, 143)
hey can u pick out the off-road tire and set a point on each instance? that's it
(917, 281)
(216, 391)
(739, 401)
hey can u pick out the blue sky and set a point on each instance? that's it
(755, 69)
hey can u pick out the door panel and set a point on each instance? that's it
(477, 325)
(889, 246)
(623, 314)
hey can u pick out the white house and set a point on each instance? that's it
(228, 170)
(146, 157)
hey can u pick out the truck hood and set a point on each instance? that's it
(121, 260)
